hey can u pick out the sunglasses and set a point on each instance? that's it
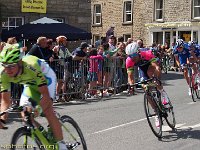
(9, 66)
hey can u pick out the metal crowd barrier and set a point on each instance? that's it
(83, 79)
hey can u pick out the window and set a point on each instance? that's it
(126, 37)
(97, 14)
(127, 13)
(12, 22)
(59, 19)
(159, 10)
(196, 9)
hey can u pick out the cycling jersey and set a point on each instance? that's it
(147, 58)
(35, 73)
(183, 55)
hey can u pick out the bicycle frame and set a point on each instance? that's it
(157, 100)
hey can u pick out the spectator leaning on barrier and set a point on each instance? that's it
(40, 49)
(79, 56)
(92, 75)
(63, 56)
(119, 59)
(100, 51)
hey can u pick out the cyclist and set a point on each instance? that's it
(39, 82)
(182, 55)
(146, 62)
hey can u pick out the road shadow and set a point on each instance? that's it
(177, 134)
(172, 76)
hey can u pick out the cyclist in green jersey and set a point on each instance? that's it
(36, 76)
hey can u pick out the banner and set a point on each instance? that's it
(37, 6)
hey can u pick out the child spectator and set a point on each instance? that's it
(100, 51)
(92, 74)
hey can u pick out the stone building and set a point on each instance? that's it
(74, 12)
(151, 20)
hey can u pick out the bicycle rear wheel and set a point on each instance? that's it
(152, 113)
(170, 118)
(22, 139)
(72, 135)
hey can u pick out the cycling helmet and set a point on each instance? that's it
(191, 43)
(132, 49)
(61, 38)
(179, 42)
(10, 54)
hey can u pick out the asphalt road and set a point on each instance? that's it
(119, 123)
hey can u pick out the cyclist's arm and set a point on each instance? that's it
(46, 101)
(177, 60)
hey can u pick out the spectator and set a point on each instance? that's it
(79, 56)
(40, 49)
(119, 59)
(120, 39)
(49, 52)
(2, 44)
(62, 54)
(92, 74)
(100, 51)
(13, 40)
(110, 32)
(140, 43)
(112, 42)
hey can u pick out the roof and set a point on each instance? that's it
(44, 20)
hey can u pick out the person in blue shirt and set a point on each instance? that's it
(182, 54)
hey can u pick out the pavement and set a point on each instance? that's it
(119, 123)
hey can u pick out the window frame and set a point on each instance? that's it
(8, 26)
(95, 15)
(126, 36)
(127, 12)
(193, 10)
(95, 38)
(158, 9)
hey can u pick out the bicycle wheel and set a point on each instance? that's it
(192, 88)
(22, 139)
(153, 114)
(170, 117)
(72, 135)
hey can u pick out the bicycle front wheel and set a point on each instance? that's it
(22, 139)
(72, 135)
(153, 115)
(170, 118)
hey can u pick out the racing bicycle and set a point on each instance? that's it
(38, 138)
(154, 108)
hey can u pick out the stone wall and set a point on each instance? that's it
(143, 12)
(74, 12)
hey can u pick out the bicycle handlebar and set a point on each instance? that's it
(146, 81)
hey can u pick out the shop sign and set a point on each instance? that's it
(37, 6)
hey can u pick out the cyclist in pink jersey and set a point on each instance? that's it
(148, 65)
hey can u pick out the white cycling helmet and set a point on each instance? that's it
(132, 48)
(179, 42)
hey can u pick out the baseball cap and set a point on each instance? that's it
(84, 45)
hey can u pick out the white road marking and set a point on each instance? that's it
(125, 124)
(181, 126)
(167, 128)
(191, 103)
